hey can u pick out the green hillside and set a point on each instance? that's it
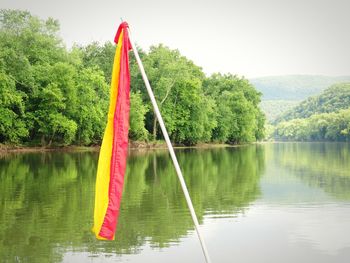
(281, 93)
(325, 117)
(294, 87)
(333, 99)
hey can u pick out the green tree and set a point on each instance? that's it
(55, 97)
(239, 118)
(12, 127)
(91, 107)
(138, 110)
(177, 85)
(96, 55)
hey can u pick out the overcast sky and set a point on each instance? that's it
(245, 37)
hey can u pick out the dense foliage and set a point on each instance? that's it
(46, 95)
(323, 117)
(49, 94)
(238, 115)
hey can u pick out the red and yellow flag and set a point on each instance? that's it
(113, 153)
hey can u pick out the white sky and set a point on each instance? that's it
(245, 37)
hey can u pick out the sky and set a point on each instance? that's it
(251, 38)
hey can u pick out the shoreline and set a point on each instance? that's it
(133, 146)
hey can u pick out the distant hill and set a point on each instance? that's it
(333, 99)
(275, 108)
(294, 87)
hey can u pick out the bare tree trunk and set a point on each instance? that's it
(43, 143)
(155, 121)
(155, 128)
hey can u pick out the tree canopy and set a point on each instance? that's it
(53, 95)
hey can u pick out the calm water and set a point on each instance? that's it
(287, 202)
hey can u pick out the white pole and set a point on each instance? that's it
(171, 149)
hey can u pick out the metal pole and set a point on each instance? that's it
(171, 149)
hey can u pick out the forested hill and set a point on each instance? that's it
(294, 87)
(333, 99)
(325, 117)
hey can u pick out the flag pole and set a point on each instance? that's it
(170, 148)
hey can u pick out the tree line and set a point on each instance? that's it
(53, 95)
(334, 126)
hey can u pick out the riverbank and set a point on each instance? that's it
(134, 145)
(25, 149)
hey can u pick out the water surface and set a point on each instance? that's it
(285, 202)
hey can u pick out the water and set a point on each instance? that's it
(286, 202)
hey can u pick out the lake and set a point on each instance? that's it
(273, 202)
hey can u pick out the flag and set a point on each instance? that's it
(113, 153)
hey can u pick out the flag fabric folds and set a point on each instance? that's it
(113, 153)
